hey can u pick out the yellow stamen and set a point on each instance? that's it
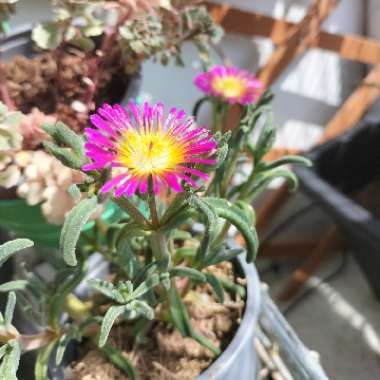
(150, 152)
(229, 86)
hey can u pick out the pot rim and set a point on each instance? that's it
(248, 324)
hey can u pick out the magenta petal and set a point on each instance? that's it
(112, 183)
(173, 182)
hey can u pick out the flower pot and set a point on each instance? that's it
(239, 360)
(342, 168)
(16, 215)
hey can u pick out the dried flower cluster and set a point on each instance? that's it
(46, 182)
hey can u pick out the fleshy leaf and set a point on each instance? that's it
(74, 222)
(11, 247)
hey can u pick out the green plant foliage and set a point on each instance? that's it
(216, 285)
(159, 248)
(10, 353)
(243, 222)
(73, 333)
(68, 147)
(10, 248)
(9, 309)
(74, 222)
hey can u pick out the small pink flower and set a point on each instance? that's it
(141, 143)
(236, 86)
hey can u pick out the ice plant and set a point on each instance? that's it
(159, 259)
(233, 85)
(141, 143)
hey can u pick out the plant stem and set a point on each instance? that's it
(248, 184)
(229, 172)
(132, 211)
(160, 249)
(152, 204)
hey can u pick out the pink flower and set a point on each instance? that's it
(141, 143)
(231, 84)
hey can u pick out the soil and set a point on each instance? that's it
(167, 355)
(58, 83)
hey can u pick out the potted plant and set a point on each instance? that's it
(351, 200)
(180, 300)
(63, 69)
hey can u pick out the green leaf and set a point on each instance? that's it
(145, 272)
(62, 134)
(216, 285)
(65, 155)
(107, 289)
(9, 309)
(48, 35)
(240, 220)
(181, 235)
(248, 210)
(42, 362)
(74, 222)
(142, 308)
(232, 287)
(11, 360)
(185, 252)
(286, 160)
(74, 191)
(109, 319)
(11, 247)
(178, 312)
(187, 272)
(181, 320)
(149, 283)
(266, 139)
(120, 361)
(72, 334)
(221, 254)
(210, 213)
(264, 179)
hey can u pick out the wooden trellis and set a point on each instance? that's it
(293, 39)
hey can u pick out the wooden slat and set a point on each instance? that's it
(276, 153)
(287, 249)
(351, 47)
(355, 106)
(298, 40)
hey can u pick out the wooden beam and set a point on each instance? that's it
(298, 39)
(355, 106)
(351, 47)
(276, 153)
(287, 249)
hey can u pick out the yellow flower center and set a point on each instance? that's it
(229, 86)
(151, 152)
